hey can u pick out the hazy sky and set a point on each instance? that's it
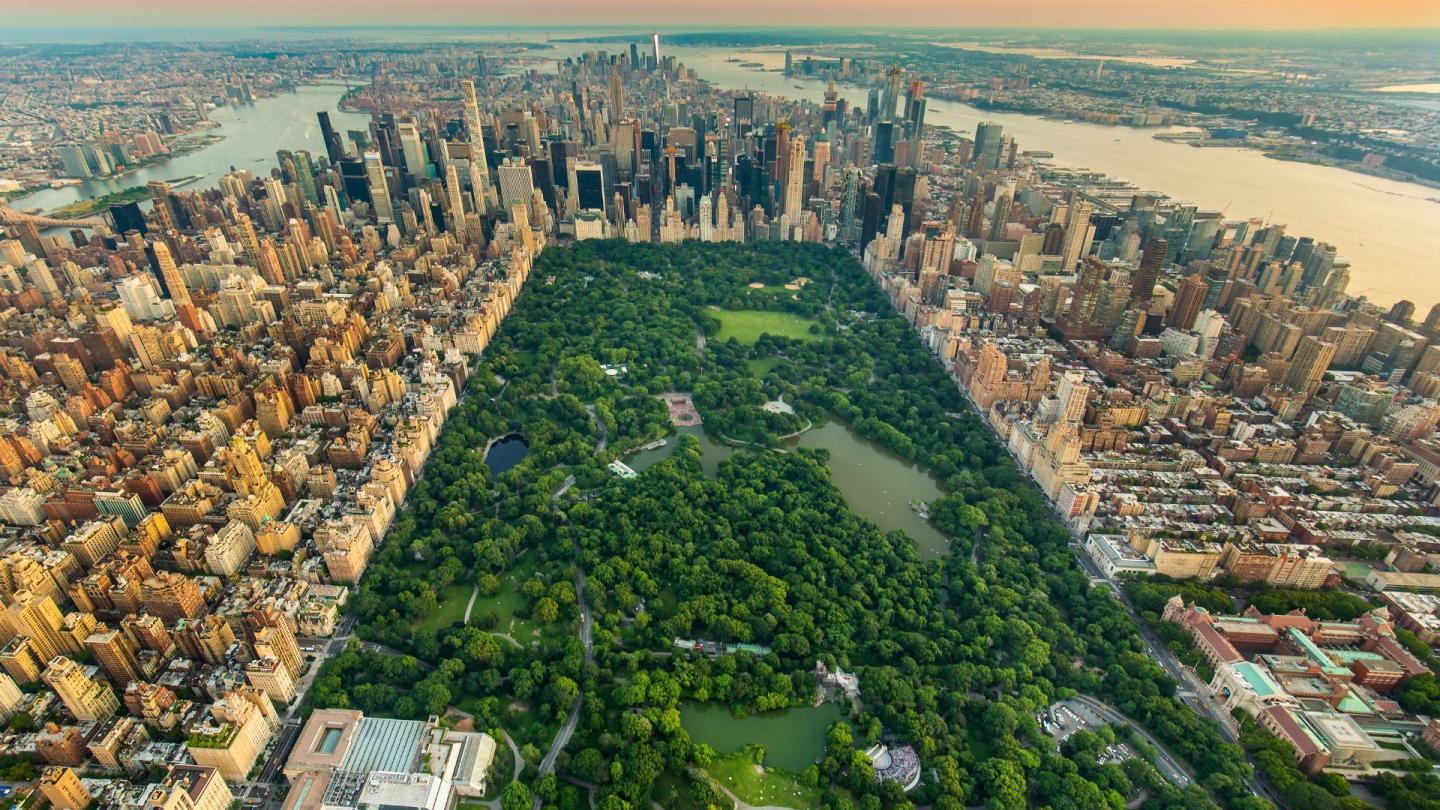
(1210, 14)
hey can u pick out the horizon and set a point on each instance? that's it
(39, 33)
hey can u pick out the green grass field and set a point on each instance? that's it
(761, 366)
(746, 325)
(452, 607)
(509, 603)
(757, 785)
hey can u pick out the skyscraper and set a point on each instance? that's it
(589, 186)
(334, 148)
(794, 180)
(1189, 297)
(379, 191)
(986, 152)
(655, 47)
(1142, 289)
(1309, 364)
(1077, 233)
(412, 148)
(474, 130)
(170, 281)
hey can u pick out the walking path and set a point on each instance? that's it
(474, 592)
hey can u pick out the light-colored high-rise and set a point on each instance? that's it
(85, 697)
(379, 190)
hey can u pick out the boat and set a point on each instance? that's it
(921, 508)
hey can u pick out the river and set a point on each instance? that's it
(251, 135)
(1387, 229)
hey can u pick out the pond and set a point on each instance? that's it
(712, 452)
(505, 452)
(878, 484)
(793, 738)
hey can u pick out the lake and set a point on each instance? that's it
(793, 738)
(712, 452)
(878, 484)
(505, 452)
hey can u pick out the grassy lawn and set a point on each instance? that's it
(452, 607)
(509, 603)
(746, 325)
(758, 785)
(761, 366)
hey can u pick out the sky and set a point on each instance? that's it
(1208, 14)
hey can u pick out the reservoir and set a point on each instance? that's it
(505, 452)
(793, 738)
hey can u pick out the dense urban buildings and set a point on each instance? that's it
(217, 399)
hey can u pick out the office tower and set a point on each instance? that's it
(884, 151)
(412, 149)
(455, 199)
(655, 47)
(116, 655)
(35, 616)
(915, 110)
(128, 217)
(589, 186)
(1142, 289)
(986, 153)
(1077, 234)
(891, 96)
(378, 190)
(334, 148)
(617, 96)
(744, 114)
(1004, 200)
(1189, 299)
(1401, 313)
(1309, 364)
(634, 56)
(516, 183)
(85, 697)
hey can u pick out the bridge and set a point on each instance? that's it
(9, 216)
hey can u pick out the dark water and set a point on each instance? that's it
(793, 738)
(506, 453)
